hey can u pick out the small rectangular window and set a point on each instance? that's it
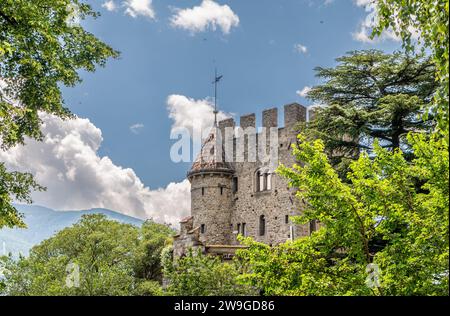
(202, 228)
(239, 228)
(243, 229)
(221, 190)
(261, 182)
(203, 191)
(286, 219)
(235, 184)
(312, 226)
(262, 225)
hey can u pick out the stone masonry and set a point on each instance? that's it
(232, 196)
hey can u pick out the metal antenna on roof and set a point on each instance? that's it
(216, 81)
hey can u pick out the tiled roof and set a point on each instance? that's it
(209, 157)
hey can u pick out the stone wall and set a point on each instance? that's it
(220, 210)
(275, 204)
(211, 206)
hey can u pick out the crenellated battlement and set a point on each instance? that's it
(238, 191)
(293, 114)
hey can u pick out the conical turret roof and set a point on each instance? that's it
(212, 155)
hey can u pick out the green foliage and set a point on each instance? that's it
(18, 186)
(111, 258)
(429, 19)
(370, 96)
(42, 47)
(148, 253)
(379, 216)
(197, 274)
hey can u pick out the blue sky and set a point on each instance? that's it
(116, 153)
(258, 59)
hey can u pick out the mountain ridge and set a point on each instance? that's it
(43, 222)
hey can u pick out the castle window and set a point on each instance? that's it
(221, 190)
(263, 181)
(202, 228)
(269, 181)
(286, 219)
(262, 225)
(257, 183)
(203, 191)
(235, 184)
(239, 228)
(312, 226)
(243, 229)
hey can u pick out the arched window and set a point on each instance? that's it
(263, 180)
(262, 225)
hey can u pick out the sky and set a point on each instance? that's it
(116, 154)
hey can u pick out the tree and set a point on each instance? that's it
(42, 47)
(148, 253)
(375, 222)
(370, 96)
(18, 186)
(197, 274)
(378, 216)
(95, 256)
(428, 19)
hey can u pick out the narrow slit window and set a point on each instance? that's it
(258, 181)
(286, 219)
(203, 191)
(312, 226)
(262, 225)
(202, 228)
(235, 184)
(243, 229)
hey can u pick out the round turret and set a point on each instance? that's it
(211, 180)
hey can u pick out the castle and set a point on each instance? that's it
(242, 196)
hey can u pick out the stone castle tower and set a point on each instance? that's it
(211, 192)
(232, 196)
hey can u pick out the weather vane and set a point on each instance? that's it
(216, 80)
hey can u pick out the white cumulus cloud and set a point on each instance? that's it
(136, 128)
(135, 8)
(68, 164)
(299, 48)
(208, 14)
(110, 5)
(304, 92)
(187, 112)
